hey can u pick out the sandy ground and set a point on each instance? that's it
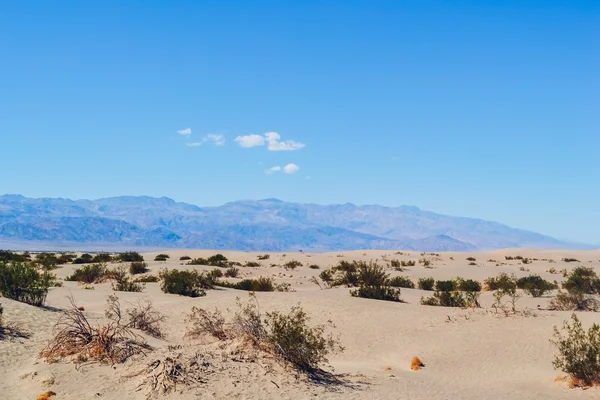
(468, 354)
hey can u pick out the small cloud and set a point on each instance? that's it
(185, 132)
(250, 140)
(218, 140)
(273, 139)
(291, 168)
(271, 170)
(195, 144)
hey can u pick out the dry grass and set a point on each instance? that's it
(75, 336)
(416, 364)
(206, 323)
(145, 318)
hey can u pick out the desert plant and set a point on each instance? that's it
(262, 284)
(570, 259)
(7, 255)
(471, 258)
(471, 290)
(232, 272)
(535, 285)
(397, 265)
(91, 273)
(264, 257)
(426, 283)
(102, 258)
(145, 318)
(314, 266)
(161, 257)
(578, 352)
(147, 279)
(185, 258)
(215, 273)
(138, 267)
(22, 281)
(303, 346)
(122, 282)
(218, 260)
(574, 301)
(185, 283)
(252, 264)
(130, 256)
(501, 282)
(327, 276)
(409, 263)
(83, 259)
(582, 279)
(377, 292)
(74, 335)
(402, 282)
(292, 264)
(204, 322)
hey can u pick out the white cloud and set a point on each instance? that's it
(218, 140)
(250, 140)
(291, 168)
(195, 144)
(276, 168)
(185, 132)
(276, 145)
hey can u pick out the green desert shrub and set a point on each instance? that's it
(22, 281)
(471, 290)
(65, 258)
(138, 267)
(292, 264)
(578, 352)
(160, 257)
(402, 282)
(314, 266)
(574, 301)
(185, 258)
(252, 264)
(185, 283)
(123, 283)
(232, 272)
(582, 279)
(501, 282)
(102, 258)
(90, 273)
(130, 256)
(301, 345)
(327, 275)
(264, 257)
(147, 279)
(426, 283)
(215, 273)
(570, 260)
(262, 284)
(377, 292)
(47, 261)
(7, 255)
(454, 293)
(535, 285)
(85, 258)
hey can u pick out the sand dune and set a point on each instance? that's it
(468, 353)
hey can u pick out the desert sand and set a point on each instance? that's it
(468, 353)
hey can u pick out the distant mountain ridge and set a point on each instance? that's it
(261, 225)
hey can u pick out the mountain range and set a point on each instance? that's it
(261, 225)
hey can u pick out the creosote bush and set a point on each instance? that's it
(292, 264)
(535, 285)
(252, 264)
(578, 352)
(402, 282)
(426, 283)
(232, 272)
(185, 283)
(454, 293)
(123, 283)
(138, 267)
(92, 273)
(581, 286)
(24, 282)
(102, 258)
(262, 284)
(264, 257)
(130, 256)
(377, 293)
(185, 258)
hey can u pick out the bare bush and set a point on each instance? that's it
(145, 318)
(206, 323)
(74, 335)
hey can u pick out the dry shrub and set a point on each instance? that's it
(74, 335)
(164, 374)
(203, 322)
(576, 301)
(46, 395)
(145, 318)
(416, 364)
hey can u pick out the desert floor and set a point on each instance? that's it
(468, 353)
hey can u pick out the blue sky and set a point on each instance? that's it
(486, 109)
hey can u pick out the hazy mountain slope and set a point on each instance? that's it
(268, 224)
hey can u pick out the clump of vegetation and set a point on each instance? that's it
(455, 293)
(377, 292)
(147, 279)
(102, 258)
(410, 263)
(288, 336)
(74, 335)
(262, 284)
(143, 317)
(252, 264)
(85, 258)
(232, 272)
(314, 266)
(215, 273)
(185, 283)
(292, 264)
(503, 286)
(402, 282)
(426, 263)
(7, 255)
(130, 256)
(185, 258)
(92, 273)
(161, 257)
(217, 260)
(535, 285)
(570, 260)
(123, 283)
(65, 258)
(22, 281)
(138, 267)
(264, 257)
(426, 283)
(578, 352)
(471, 258)
(581, 287)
